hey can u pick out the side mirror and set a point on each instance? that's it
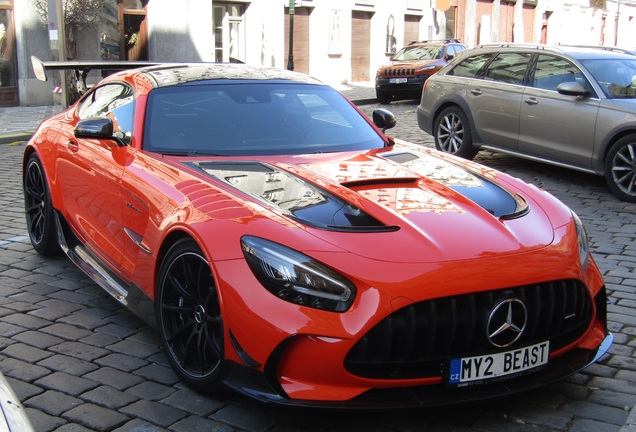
(383, 119)
(572, 88)
(449, 57)
(97, 127)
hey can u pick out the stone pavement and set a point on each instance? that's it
(80, 362)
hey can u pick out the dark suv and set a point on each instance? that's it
(564, 105)
(405, 75)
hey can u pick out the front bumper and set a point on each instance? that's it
(256, 385)
(297, 355)
(411, 88)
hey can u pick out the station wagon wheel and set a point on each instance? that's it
(452, 133)
(620, 168)
(189, 317)
(40, 218)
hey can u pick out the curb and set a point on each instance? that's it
(630, 424)
(368, 101)
(16, 137)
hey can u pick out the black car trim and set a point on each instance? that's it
(255, 385)
(331, 212)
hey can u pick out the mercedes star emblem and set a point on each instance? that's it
(507, 322)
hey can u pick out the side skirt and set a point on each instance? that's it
(129, 295)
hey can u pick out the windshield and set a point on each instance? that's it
(617, 77)
(264, 118)
(429, 52)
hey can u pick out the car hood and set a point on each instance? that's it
(410, 63)
(624, 105)
(436, 204)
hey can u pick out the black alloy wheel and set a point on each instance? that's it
(189, 317)
(452, 133)
(40, 217)
(620, 168)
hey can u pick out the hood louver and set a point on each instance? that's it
(492, 197)
(294, 197)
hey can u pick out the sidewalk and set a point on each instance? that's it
(18, 123)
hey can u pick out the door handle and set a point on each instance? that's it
(531, 101)
(476, 92)
(72, 145)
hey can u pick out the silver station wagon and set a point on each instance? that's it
(568, 106)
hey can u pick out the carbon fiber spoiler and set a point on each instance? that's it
(82, 68)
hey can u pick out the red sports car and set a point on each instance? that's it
(285, 247)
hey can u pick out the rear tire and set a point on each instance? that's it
(38, 209)
(452, 133)
(620, 168)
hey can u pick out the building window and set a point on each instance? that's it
(229, 41)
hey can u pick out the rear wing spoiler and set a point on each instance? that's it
(82, 68)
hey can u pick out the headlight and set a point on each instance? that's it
(297, 278)
(427, 68)
(584, 249)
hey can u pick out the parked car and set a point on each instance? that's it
(404, 76)
(285, 247)
(13, 417)
(568, 106)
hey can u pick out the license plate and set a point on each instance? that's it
(398, 80)
(486, 367)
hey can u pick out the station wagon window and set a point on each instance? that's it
(115, 101)
(471, 67)
(551, 71)
(508, 68)
(617, 77)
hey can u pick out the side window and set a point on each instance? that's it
(552, 71)
(471, 67)
(508, 68)
(450, 51)
(115, 101)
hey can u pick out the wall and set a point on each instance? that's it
(180, 32)
(183, 31)
(31, 40)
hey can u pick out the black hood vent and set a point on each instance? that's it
(492, 197)
(293, 196)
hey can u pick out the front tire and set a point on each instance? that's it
(38, 209)
(189, 317)
(452, 133)
(620, 168)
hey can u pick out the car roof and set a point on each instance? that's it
(165, 75)
(577, 52)
(583, 52)
(433, 42)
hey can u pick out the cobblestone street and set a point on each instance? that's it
(79, 361)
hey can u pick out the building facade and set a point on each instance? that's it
(336, 41)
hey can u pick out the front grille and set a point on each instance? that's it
(389, 73)
(414, 341)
